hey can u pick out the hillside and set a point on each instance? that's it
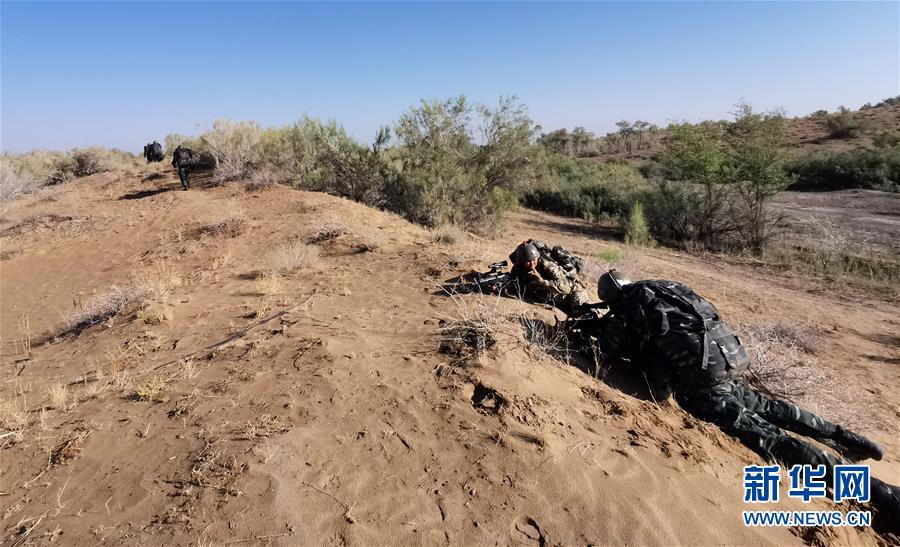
(805, 134)
(328, 408)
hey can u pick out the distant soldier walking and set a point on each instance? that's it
(183, 160)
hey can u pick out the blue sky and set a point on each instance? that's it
(123, 73)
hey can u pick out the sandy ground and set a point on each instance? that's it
(322, 411)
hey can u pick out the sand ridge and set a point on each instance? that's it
(334, 417)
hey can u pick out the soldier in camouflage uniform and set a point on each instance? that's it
(685, 350)
(183, 160)
(543, 280)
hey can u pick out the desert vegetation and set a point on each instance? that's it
(24, 173)
(455, 166)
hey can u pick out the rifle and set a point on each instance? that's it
(491, 282)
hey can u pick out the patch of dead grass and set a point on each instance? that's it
(289, 257)
(447, 234)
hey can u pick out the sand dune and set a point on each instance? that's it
(321, 410)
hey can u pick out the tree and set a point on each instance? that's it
(640, 127)
(740, 165)
(580, 139)
(449, 176)
(557, 141)
(755, 166)
(625, 131)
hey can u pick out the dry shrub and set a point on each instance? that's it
(159, 279)
(235, 145)
(48, 222)
(447, 234)
(261, 180)
(784, 365)
(13, 414)
(69, 449)
(230, 226)
(782, 360)
(150, 391)
(546, 340)
(268, 284)
(117, 300)
(216, 469)
(477, 328)
(329, 231)
(290, 256)
(371, 241)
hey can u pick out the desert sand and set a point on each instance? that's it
(322, 409)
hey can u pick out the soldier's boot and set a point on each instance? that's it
(857, 444)
(885, 499)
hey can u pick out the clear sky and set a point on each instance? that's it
(123, 73)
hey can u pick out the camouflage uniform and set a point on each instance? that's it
(658, 325)
(183, 160)
(556, 288)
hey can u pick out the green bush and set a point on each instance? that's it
(448, 174)
(636, 230)
(173, 140)
(587, 189)
(877, 169)
(843, 124)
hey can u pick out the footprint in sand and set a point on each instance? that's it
(526, 530)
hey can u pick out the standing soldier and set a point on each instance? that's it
(183, 160)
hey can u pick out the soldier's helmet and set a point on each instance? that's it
(609, 286)
(526, 252)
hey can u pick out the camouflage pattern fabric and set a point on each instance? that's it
(556, 289)
(185, 178)
(757, 421)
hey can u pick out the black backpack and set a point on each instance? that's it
(183, 157)
(156, 150)
(692, 327)
(570, 263)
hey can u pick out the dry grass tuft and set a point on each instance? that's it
(69, 449)
(116, 301)
(329, 231)
(371, 242)
(60, 398)
(49, 222)
(159, 279)
(230, 226)
(476, 330)
(150, 391)
(267, 284)
(447, 234)
(288, 257)
(781, 357)
(13, 414)
(261, 181)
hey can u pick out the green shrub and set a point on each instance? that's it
(636, 230)
(877, 169)
(887, 139)
(843, 124)
(173, 140)
(447, 174)
(587, 189)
